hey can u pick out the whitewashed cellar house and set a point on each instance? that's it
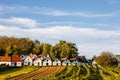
(56, 62)
(28, 61)
(47, 61)
(16, 61)
(65, 62)
(37, 62)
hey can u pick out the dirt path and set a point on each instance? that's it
(40, 73)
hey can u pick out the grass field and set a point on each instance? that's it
(17, 71)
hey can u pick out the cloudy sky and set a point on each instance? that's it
(94, 25)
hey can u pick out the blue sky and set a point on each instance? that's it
(94, 25)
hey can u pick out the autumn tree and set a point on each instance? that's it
(106, 59)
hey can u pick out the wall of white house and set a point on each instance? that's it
(26, 63)
(47, 63)
(56, 63)
(64, 63)
(19, 64)
(37, 63)
(7, 63)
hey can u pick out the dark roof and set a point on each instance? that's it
(5, 59)
(81, 58)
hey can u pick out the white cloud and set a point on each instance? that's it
(19, 21)
(54, 12)
(90, 41)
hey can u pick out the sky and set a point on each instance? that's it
(93, 25)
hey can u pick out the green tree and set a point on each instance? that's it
(37, 50)
(46, 48)
(65, 49)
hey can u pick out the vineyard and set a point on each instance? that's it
(83, 72)
(86, 72)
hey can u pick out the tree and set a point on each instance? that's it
(106, 59)
(37, 50)
(9, 50)
(46, 48)
(65, 49)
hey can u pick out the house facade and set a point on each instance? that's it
(16, 61)
(28, 61)
(47, 61)
(65, 62)
(56, 62)
(37, 62)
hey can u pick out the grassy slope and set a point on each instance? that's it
(16, 71)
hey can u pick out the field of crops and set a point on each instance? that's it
(40, 73)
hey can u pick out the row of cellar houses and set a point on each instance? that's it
(41, 60)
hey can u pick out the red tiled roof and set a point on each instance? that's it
(5, 59)
(16, 59)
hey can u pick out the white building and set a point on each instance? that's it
(16, 61)
(66, 62)
(56, 62)
(47, 61)
(28, 61)
(37, 62)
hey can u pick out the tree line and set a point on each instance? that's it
(17, 46)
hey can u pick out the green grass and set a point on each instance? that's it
(17, 71)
